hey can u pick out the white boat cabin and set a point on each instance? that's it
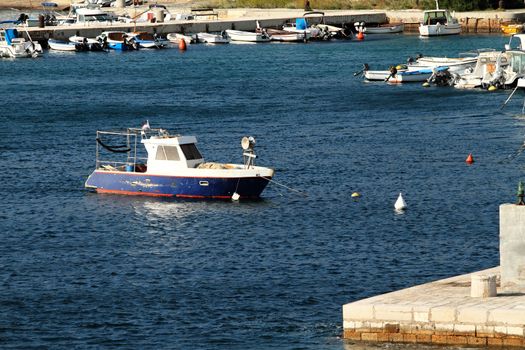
(434, 17)
(168, 153)
(518, 40)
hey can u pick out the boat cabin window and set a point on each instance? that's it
(167, 153)
(432, 18)
(518, 63)
(94, 18)
(190, 151)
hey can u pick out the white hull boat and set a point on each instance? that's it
(455, 65)
(12, 46)
(87, 43)
(58, 45)
(282, 35)
(487, 64)
(402, 76)
(210, 38)
(385, 29)
(238, 35)
(177, 37)
(439, 22)
(415, 76)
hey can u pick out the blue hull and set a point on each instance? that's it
(118, 46)
(173, 186)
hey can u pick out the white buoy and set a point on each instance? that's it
(400, 203)
(235, 196)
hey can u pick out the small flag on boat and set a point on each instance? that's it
(145, 127)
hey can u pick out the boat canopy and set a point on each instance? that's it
(517, 61)
(437, 16)
(10, 34)
(300, 24)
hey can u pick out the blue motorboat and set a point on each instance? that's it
(172, 166)
(117, 40)
(147, 41)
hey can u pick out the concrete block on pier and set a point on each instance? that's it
(512, 247)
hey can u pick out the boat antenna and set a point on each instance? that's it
(437, 4)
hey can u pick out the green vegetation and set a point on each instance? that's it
(457, 5)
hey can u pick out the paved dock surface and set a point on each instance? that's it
(441, 312)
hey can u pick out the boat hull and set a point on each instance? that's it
(237, 35)
(61, 45)
(392, 29)
(132, 183)
(437, 29)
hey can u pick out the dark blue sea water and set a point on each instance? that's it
(81, 270)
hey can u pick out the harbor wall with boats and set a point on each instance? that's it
(243, 21)
(218, 20)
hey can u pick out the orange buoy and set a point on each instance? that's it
(182, 45)
(360, 36)
(469, 159)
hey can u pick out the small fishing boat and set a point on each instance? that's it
(281, 35)
(389, 28)
(415, 75)
(510, 28)
(177, 37)
(239, 35)
(210, 38)
(59, 45)
(90, 44)
(13, 46)
(284, 36)
(487, 69)
(439, 22)
(172, 166)
(401, 75)
(147, 40)
(117, 40)
(454, 64)
(315, 21)
(301, 26)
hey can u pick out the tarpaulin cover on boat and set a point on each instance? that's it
(10, 34)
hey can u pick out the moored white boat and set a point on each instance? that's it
(415, 76)
(210, 38)
(389, 28)
(282, 35)
(91, 44)
(58, 45)
(13, 46)
(455, 65)
(173, 167)
(176, 37)
(439, 22)
(486, 69)
(239, 35)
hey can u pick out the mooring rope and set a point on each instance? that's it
(283, 185)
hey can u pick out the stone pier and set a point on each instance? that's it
(445, 312)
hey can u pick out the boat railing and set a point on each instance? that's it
(128, 140)
(474, 53)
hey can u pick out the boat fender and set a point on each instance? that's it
(401, 66)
